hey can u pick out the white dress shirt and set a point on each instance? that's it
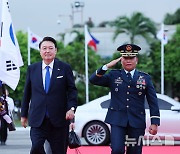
(131, 72)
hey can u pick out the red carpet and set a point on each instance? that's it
(146, 150)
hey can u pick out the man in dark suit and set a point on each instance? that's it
(50, 100)
(126, 113)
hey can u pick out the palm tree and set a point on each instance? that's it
(172, 19)
(136, 25)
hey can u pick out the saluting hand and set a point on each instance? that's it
(69, 115)
(153, 129)
(113, 62)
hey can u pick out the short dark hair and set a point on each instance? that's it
(48, 38)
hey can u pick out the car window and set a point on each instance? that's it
(105, 104)
(163, 105)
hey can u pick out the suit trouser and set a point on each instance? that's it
(128, 137)
(56, 136)
(48, 148)
(3, 131)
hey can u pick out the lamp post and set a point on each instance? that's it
(77, 7)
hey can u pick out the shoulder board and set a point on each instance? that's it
(143, 73)
(115, 70)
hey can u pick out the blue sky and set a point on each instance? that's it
(42, 15)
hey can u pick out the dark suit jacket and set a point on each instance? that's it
(127, 98)
(62, 94)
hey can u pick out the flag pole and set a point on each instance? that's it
(162, 63)
(86, 66)
(29, 56)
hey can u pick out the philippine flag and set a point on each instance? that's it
(34, 40)
(90, 40)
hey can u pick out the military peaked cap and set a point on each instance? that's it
(129, 50)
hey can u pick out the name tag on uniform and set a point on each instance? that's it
(118, 80)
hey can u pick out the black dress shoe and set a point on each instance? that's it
(3, 143)
(11, 127)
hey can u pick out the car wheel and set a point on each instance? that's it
(96, 133)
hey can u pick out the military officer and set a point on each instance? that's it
(126, 113)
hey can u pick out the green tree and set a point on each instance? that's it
(172, 63)
(136, 25)
(152, 64)
(172, 19)
(79, 36)
(169, 19)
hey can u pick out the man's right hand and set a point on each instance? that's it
(113, 62)
(24, 122)
(72, 126)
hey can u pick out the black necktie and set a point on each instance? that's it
(129, 76)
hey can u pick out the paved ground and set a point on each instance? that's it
(18, 142)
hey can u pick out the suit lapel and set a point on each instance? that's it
(39, 74)
(54, 75)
